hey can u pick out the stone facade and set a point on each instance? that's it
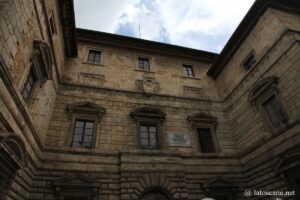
(222, 95)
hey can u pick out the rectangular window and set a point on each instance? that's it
(28, 85)
(274, 111)
(52, 24)
(249, 62)
(94, 57)
(144, 64)
(188, 70)
(83, 134)
(148, 136)
(206, 140)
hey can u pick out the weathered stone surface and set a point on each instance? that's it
(249, 154)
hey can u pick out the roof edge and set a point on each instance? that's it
(142, 44)
(245, 27)
(67, 17)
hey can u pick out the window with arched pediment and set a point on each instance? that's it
(205, 127)
(85, 117)
(13, 157)
(287, 166)
(149, 127)
(265, 97)
(40, 69)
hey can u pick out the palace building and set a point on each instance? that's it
(87, 115)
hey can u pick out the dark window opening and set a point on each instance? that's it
(221, 197)
(274, 112)
(144, 64)
(83, 134)
(52, 25)
(206, 140)
(148, 136)
(94, 57)
(249, 62)
(28, 85)
(188, 70)
(8, 169)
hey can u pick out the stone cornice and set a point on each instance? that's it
(245, 27)
(143, 45)
(67, 17)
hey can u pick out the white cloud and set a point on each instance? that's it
(202, 24)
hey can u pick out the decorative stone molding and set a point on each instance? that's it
(148, 85)
(15, 147)
(87, 108)
(221, 186)
(91, 79)
(258, 89)
(147, 112)
(287, 160)
(155, 182)
(193, 91)
(42, 60)
(202, 118)
(76, 182)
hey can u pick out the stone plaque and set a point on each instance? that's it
(179, 139)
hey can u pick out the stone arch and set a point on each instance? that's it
(287, 161)
(155, 193)
(261, 86)
(17, 148)
(287, 167)
(161, 183)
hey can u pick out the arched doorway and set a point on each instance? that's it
(154, 195)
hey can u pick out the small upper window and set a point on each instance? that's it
(249, 62)
(29, 84)
(94, 57)
(144, 64)
(188, 70)
(83, 134)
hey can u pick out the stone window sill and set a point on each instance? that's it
(89, 63)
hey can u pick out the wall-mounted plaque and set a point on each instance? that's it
(179, 139)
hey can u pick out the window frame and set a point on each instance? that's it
(212, 137)
(246, 59)
(52, 24)
(261, 93)
(29, 99)
(86, 57)
(204, 121)
(85, 120)
(185, 66)
(40, 66)
(148, 123)
(143, 57)
(85, 111)
(150, 116)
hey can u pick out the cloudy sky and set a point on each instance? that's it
(200, 24)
